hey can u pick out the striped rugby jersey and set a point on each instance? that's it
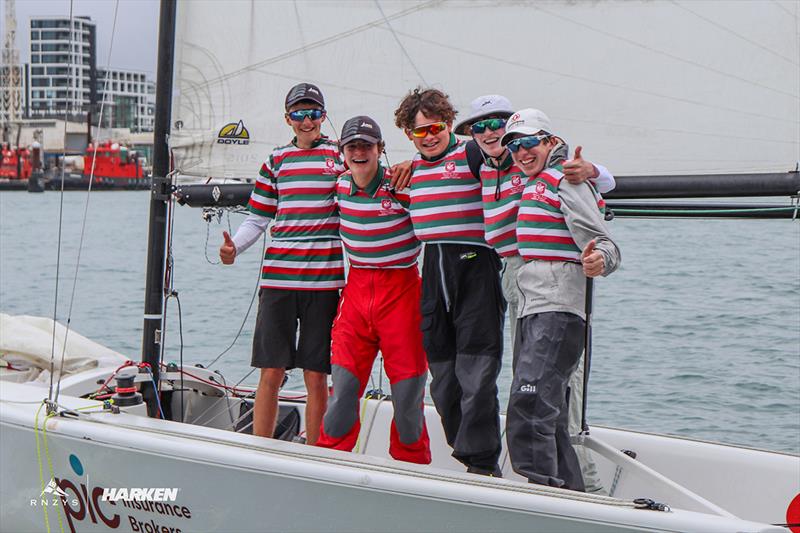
(446, 199)
(296, 187)
(502, 191)
(375, 224)
(542, 231)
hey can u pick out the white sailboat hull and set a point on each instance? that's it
(228, 481)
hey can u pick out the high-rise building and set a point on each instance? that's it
(63, 74)
(127, 98)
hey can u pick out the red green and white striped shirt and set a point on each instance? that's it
(296, 187)
(446, 199)
(375, 224)
(502, 191)
(542, 231)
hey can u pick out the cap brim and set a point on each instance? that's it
(462, 128)
(359, 137)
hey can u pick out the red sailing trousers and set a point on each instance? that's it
(379, 310)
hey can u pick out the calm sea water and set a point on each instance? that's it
(698, 334)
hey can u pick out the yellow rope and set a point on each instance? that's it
(361, 424)
(50, 466)
(39, 460)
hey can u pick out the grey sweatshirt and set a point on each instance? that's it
(561, 285)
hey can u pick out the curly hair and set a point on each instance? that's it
(432, 103)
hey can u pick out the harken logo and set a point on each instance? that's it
(234, 133)
(54, 489)
(161, 494)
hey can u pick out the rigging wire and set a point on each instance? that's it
(60, 224)
(400, 43)
(249, 308)
(663, 52)
(616, 86)
(321, 43)
(86, 204)
(735, 33)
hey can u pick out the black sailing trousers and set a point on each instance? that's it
(546, 353)
(462, 327)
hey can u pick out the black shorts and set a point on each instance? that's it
(293, 329)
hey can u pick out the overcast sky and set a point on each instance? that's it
(134, 39)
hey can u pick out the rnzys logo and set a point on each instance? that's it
(53, 488)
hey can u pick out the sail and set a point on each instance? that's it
(647, 87)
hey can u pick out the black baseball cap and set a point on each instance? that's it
(360, 128)
(304, 91)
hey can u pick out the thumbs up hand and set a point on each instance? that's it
(593, 261)
(227, 252)
(577, 170)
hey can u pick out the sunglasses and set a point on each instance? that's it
(531, 141)
(436, 128)
(490, 123)
(301, 114)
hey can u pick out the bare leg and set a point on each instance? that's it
(317, 387)
(266, 407)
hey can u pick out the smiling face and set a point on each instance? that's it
(533, 160)
(489, 140)
(362, 159)
(431, 145)
(308, 130)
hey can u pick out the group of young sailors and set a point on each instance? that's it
(507, 220)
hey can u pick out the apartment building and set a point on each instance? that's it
(63, 76)
(128, 99)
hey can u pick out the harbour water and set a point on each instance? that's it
(697, 335)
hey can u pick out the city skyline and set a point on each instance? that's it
(137, 23)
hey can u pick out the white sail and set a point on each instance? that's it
(648, 87)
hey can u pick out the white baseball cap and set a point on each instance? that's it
(484, 106)
(526, 121)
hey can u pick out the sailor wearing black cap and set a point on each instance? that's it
(379, 309)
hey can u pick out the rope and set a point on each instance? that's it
(50, 459)
(372, 423)
(45, 508)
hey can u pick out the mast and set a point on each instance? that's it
(160, 193)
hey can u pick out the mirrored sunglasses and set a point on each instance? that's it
(490, 123)
(301, 114)
(433, 129)
(531, 141)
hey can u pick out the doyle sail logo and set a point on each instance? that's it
(234, 133)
